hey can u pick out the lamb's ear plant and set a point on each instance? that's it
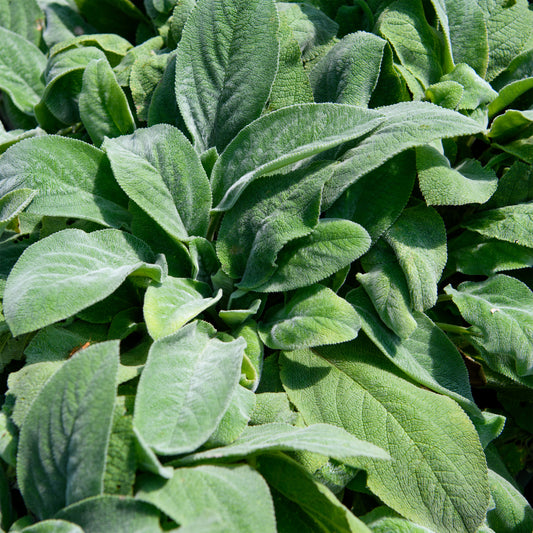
(266, 266)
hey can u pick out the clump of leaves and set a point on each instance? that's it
(266, 266)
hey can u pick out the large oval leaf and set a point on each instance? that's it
(69, 271)
(62, 449)
(332, 245)
(312, 317)
(185, 388)
(438, 475)
(178, 197)
(225, 65)
(21, 67)
(284, 137)
(72, 179)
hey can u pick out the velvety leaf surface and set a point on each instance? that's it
(318, 438)
(291, 480)
(21, 66)
(104, 108)
(349, 72)
(53, 526)
(120, 514)
(406, 125)
(86, 267)
(178, 198)
(72, 179)
(415, 42)
(442, 185)
(225, 66)
(185, 388)
(274, 211)
(418, 239)
(332, 245)
(512, 512)
(282, 138)
(426, 356)
(365, 396)
(502, 308)
(511, 223)
(62, 448)
(219, 491)
(173, 303)
(312, 317)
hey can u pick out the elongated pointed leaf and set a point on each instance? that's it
(72, 179)
(225, 64)
(178, 197)
(222, 492)
(62, 449)
(312, 317)
(323, 439)
(104, 108)
(502, 308)
(69, 271)
(406, 125)
(169, 306)
(121, 514)
(349, 72)
(284, 137)
(438, 474)
(418, 239)
(21, 66)
(290, 478)
(185, 388)
(332, 245)
(275, 210)
(415, 42)
(426, 356)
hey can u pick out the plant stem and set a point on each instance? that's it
(459, 330)
(214, 221)
(444, 298)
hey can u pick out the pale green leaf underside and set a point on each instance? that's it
(69, 271)
(63, 446)
(185, 388)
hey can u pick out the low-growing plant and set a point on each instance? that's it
(268, 268)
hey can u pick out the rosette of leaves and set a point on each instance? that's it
(262, 270)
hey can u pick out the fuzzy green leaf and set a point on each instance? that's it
(185, 388)
(225, 65)
(84, 267)
(62, 448)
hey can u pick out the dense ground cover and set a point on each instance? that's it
(266, 266)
